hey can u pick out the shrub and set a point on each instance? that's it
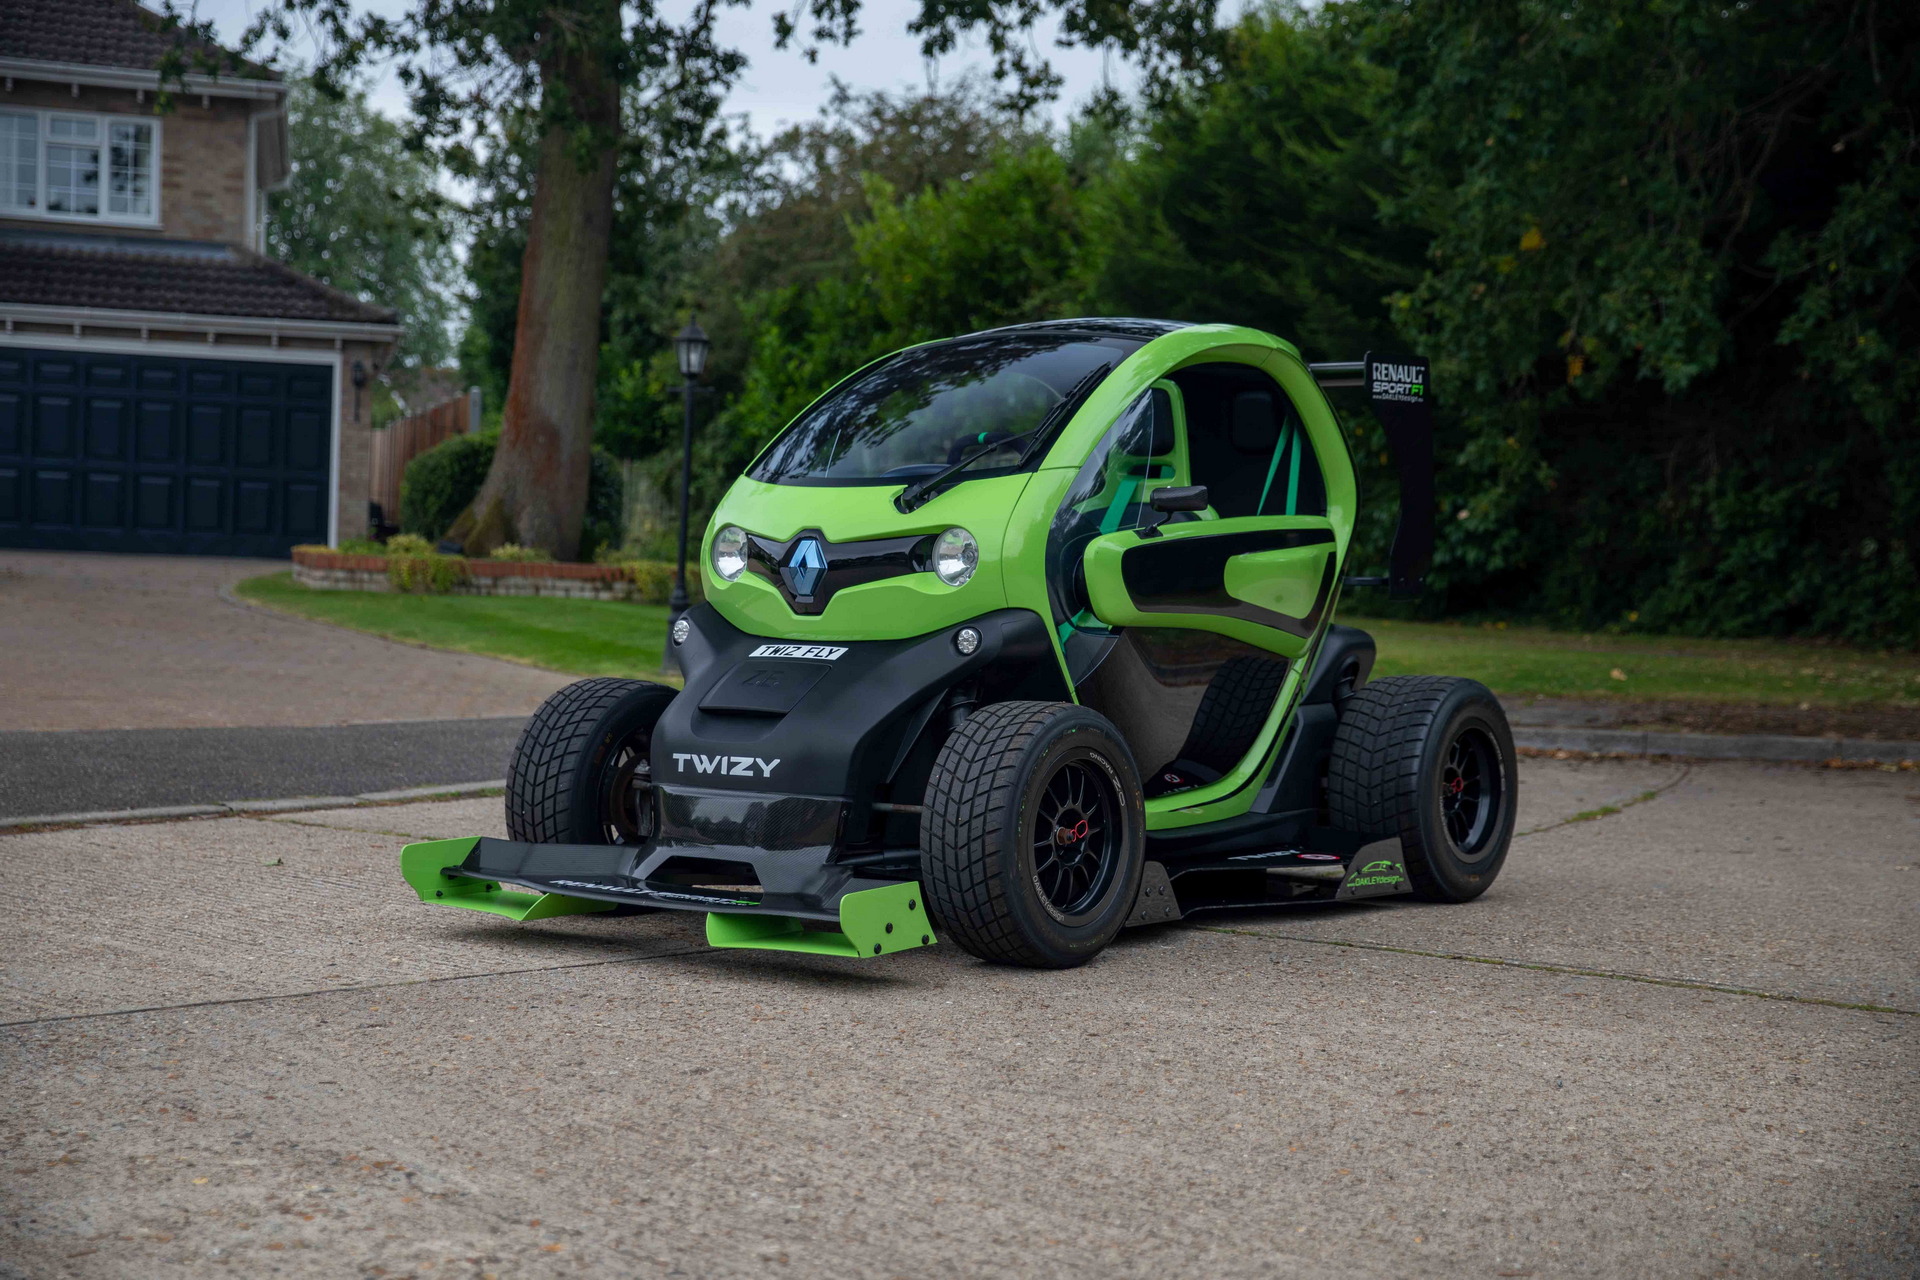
(653, 578)
(439, 484)
(518, 554)
(413, 565)
(358, 547)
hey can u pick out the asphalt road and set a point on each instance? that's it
(91, 771)
(1679, 1039)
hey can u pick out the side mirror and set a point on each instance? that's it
(1189, 497)
(1192, 497)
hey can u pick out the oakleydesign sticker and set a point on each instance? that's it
(1369, 876)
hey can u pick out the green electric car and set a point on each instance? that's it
(1015, 640)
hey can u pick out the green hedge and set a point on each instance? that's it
(439, 484)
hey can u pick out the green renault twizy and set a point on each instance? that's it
(1013, 640)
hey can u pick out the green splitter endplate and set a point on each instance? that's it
(422, 863)
(873, 922)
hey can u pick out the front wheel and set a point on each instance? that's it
(1428, 759)
(1034, 834)
(580, 772)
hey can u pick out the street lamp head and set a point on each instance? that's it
(691, 345)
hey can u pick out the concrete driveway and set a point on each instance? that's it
(136, 642)
(1681, 1039)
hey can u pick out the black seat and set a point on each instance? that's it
(1232, 712)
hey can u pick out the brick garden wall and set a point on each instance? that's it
(334, 571)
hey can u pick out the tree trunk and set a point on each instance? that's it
(535, 494)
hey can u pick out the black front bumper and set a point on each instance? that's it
(782, 846)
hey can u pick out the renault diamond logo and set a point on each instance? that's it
(804, 568)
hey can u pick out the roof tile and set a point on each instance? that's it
(120, 273)
(104, 33)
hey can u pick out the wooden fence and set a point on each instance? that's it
(404, 439)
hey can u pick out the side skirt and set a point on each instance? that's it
(1326, 866)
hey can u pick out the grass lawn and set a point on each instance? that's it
(1532, 661)
(591, 637)
(585, 637)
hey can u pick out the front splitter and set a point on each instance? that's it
(864, 918)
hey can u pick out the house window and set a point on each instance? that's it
(130, 170)
(19, 160)
(85, 168)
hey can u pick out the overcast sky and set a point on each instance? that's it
(781, 86)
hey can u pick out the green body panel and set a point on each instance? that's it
(1286, 581)
(1010, 516)
(873, 922)
(422, 863)
(892, 609)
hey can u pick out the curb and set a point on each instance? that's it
(1714, 746)
(232, 808)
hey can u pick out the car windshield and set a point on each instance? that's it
(927, 408)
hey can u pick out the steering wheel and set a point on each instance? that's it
(966, 444)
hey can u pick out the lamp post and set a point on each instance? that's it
(690, 346)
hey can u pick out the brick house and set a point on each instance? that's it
(164, 385)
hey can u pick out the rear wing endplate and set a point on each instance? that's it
(1402, 398)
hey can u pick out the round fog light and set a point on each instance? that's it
(681, 630)
(966, 640)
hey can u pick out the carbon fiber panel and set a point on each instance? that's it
(745, 820)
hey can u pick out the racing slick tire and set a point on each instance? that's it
(1428, 759)
(1033, 836)
(580, 772)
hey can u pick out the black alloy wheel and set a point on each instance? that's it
(1470, 790)
(1033, 840)
(1075, 844)
(626, 790)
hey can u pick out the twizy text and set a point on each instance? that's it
(733, 766)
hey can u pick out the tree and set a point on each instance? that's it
(583, 62)
(361, 212)
(1000, 248)
(717, 226)
(1673, 295)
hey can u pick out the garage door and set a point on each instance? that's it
(108, 452)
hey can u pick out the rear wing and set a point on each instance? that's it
(1402, 398)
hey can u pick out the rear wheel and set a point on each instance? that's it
(1034, 834)
(581, 773)
(1428, 759)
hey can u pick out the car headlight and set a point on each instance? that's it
(730, 552)
(955, 556)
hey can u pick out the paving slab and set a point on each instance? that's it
(96, 641)
(340, 1081)
(1556, 791)
(121, 917)
(1195, 1104)
(1782, 878)
(437, 820)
